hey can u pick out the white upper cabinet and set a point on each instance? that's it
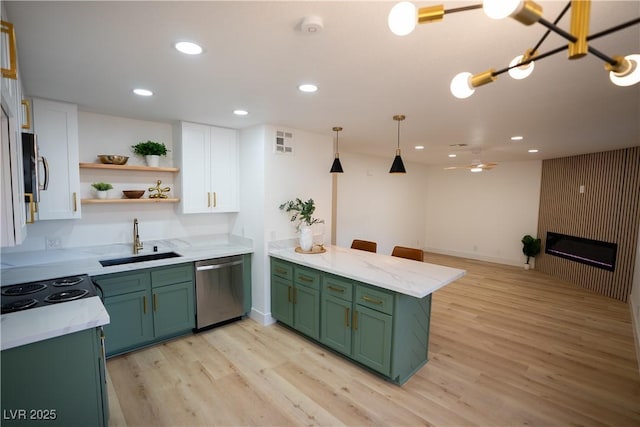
(208, 158)
(56, 127)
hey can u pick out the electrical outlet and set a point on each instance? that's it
(53, 242)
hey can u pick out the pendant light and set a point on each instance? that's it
(336, 167)
(398, 166)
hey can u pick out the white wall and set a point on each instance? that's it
(373, 204)
(108, 224)
(268, 180)
(483, 215)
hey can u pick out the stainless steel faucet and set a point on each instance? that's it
(137, 244)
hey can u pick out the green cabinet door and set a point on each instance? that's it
(372, 338)
(131, 322)
(306, 311)
(173, 309)
(281, 302)
(336, 324)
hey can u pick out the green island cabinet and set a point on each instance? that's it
(56, 382)
(382, 330)
(147, 306)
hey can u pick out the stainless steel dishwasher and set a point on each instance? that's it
(219, 290)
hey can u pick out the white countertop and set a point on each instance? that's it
(409, 277)
(37, 324)
(41, 323)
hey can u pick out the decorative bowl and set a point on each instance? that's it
(113, 159)
(133, 194)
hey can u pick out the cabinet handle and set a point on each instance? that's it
(75, 202)
(215, 200)
(333, 288)
(371, 300)
(289, 294)
(280, 270)
(305, 278)
(355, 320)
(32, 208)
(346, 317)
(208, 199)
(27, 113)
(144, 304)
(45, 164)
(155, 303)
(12, 71)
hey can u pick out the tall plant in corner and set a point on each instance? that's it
(302, 212)
(531, 248)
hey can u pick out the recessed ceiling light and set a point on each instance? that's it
(188, 48)
(533, 150)
(142, 92)
(419, 147)
(517, 138)
(453, 155)
(476, 170)
(308, 88)
(240, 112)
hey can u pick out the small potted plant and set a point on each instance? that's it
(151, 151)
(302, 212)
(101, 189)
(531, 248)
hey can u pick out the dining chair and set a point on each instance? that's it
(409, 253)
(364, 245)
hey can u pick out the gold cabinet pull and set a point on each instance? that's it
(280, 270)
(32, 208)
(355, 320)
(12, 71)
(215, 200)
(208, 200)
(333, 288)
(371, 300)
(144, 304)
(27, 113)
(75, 201)
(346, 317)
(155, 303)
(305, 278)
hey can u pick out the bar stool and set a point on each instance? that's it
(364, 245)
(409, 253)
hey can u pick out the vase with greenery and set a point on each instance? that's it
(530, 248)
(101, 189)
(151, 150)
(302, 212)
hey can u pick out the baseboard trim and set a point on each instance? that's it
(261, 318)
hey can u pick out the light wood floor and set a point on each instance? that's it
(508, 347)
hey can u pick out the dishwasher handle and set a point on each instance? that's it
(217, 266)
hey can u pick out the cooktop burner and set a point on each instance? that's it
(25, 289)
(45, 292)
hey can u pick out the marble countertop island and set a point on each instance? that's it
(409, 277)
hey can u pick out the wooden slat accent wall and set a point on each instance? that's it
(608, 210)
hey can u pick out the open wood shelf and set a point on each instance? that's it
(111, 201)
(126, 167)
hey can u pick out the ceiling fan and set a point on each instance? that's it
(476, 165)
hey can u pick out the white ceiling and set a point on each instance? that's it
(94, 53)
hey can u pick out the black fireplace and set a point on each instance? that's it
(587, 251)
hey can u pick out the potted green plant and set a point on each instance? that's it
(530, 248)
(101, 189)
(302, 212)
(151, 150)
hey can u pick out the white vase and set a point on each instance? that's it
(306, 238)
(101, 194)
(153, 160)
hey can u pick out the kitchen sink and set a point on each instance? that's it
(138, 258)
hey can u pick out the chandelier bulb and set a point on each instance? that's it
(522, 71)
(402, 18)
(628, 73)
(461, 85)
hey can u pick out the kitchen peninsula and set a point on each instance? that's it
(374, 309)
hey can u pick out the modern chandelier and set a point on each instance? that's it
(623, 71)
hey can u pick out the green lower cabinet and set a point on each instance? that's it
(131, 321)
(147, 305)
(56, 382)
(281, 302)
(173, 309)
(372, 339)
(306, 311)
(336, 324)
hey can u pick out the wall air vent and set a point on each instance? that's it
(283, 143)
